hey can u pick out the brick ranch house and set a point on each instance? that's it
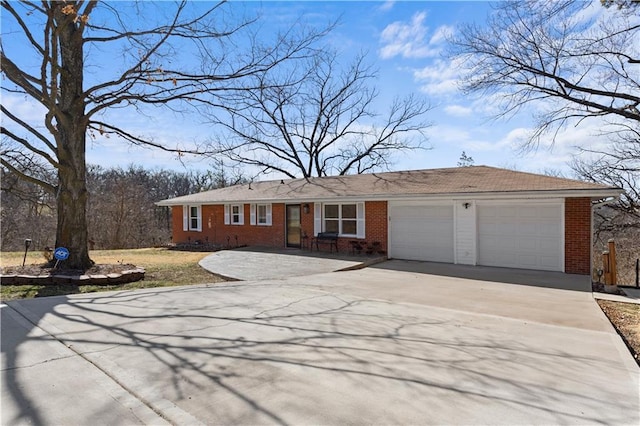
(475, 215)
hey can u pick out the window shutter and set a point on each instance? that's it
(317, 218)
(269, 214)
(199, 218)
(360, 218)
(252, 217)
(185, 218)
(226, 214)
(241, 215)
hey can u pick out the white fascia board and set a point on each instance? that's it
(592, 193)
(508, 195)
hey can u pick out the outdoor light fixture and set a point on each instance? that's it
(305, 208)
(466, 205)
(27, 244)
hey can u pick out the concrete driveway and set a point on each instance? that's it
(391, 344)
(250, 264)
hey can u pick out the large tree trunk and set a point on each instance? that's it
(71, 123)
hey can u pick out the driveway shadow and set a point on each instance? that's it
(546, 279)
(16, 331)
(259, 353)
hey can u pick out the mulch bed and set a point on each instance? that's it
(100, 274)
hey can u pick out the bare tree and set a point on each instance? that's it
(465, 160)
(79, 60)
(555, 55)
(121, 208)
(553, 52)
(318, 120)
(28, 211)
(618, 166)
(575, 62)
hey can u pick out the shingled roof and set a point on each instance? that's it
(459, 181)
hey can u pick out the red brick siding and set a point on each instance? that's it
(214, 230)
(577, 236)
(376, 221)
(306, 222)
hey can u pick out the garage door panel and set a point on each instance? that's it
(549, 245)
(520, 236)
(421, 232)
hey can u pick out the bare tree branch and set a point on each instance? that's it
(545, 52)
(182, 56)
(317, 120)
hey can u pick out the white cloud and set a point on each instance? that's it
(440, 88)
(442, 134)
(387, 5)
(440, 78)
(441, 34)
(591, 12)
(409, 40)
(25, 108)
(458, 110)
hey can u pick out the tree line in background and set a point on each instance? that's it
(121, 211)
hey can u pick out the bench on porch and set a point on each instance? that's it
(330, 238)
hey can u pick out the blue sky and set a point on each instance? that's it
(406, 42)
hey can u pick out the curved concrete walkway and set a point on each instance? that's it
(263, 264)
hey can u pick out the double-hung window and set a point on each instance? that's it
(260, 214)
(234, 214)
(191, 218)
(346, 219)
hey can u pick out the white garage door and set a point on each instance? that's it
(421, 232)
(521, 236)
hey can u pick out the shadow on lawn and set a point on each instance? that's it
(237, 353)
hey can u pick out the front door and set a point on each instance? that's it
(293, 225)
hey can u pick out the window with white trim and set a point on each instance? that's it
(192, 218)
(262, 214)
(236, 214)
(345, 219)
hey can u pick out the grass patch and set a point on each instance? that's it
(164, 268)
(625, 318)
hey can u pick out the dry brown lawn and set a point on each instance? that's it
(625, 317)
(163, 268)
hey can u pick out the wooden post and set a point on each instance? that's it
(612, 262)
(605, 268)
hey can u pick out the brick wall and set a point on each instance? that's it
(577, 236)
(375, 213)
(215, 231)
(306, 222)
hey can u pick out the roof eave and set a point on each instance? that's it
(589, 192)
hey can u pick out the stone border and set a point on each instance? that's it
(124, 277)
